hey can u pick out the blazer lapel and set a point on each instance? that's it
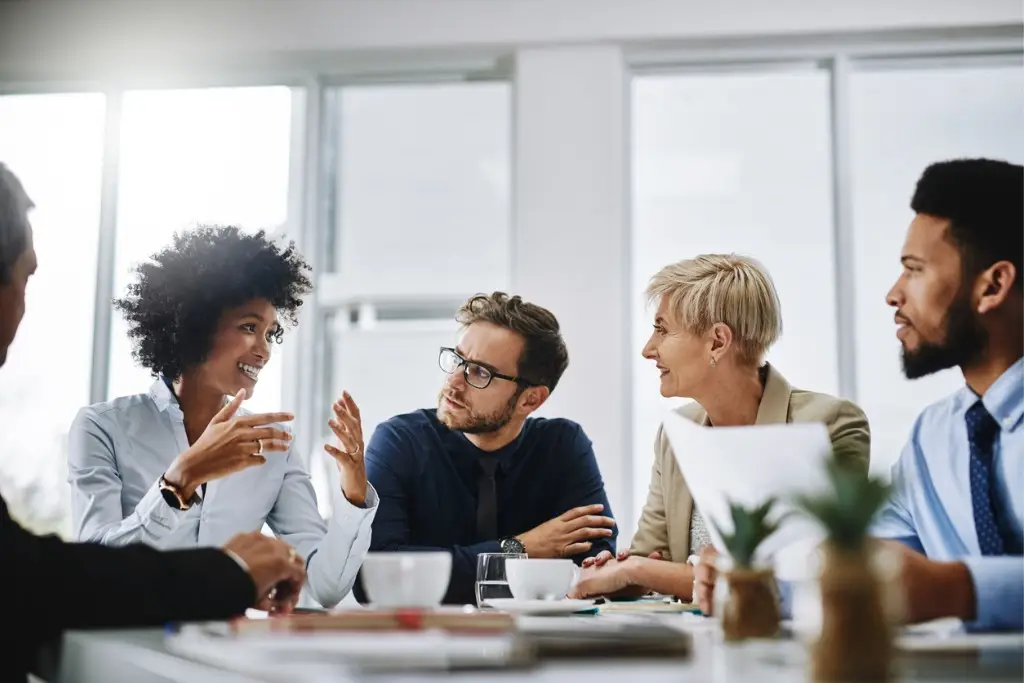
(774, 407)
(679, 536)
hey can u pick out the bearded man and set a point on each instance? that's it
(478, 474)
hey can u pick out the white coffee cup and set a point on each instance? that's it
(406, 579)
(540, 579)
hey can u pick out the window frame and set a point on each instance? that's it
(309, 207)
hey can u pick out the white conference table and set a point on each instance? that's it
(140, 656)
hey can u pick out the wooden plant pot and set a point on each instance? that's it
(855, 643)
(751, 609)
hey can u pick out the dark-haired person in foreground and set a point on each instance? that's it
(478, 474)
(957, 507)
(53, 586)
(182, 466)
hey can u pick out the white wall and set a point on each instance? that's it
(89, 37)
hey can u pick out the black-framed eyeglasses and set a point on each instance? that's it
(476, 374)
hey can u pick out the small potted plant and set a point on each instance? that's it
(855, 643)
(751, 608)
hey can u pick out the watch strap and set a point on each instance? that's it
(174, 497)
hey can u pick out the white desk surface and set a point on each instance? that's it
(139, 656)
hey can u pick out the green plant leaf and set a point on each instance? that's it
(847, 510)
(750, 528)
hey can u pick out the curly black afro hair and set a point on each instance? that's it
(984, 202)
(174, 307)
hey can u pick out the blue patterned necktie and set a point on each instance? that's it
(981, 433)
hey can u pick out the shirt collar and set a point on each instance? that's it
(162, 396)
(1004, 400)
(506, 454)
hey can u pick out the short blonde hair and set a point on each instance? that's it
(723, 288)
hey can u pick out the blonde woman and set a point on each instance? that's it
(717, 316)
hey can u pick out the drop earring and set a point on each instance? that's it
(713, 361)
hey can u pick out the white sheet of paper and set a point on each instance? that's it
(748, 465)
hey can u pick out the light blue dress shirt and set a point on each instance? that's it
(119, 450)
(930, 509)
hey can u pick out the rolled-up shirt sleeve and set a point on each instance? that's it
(998, 592)
(332, 558)
(96, 489)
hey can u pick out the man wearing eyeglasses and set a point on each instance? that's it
(478, 474)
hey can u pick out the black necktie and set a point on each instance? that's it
(981, 433)
(487, 500)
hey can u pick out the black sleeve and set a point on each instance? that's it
(53, 586)
(392, 527)
(583, 485)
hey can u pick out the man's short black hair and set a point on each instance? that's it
(984, 202)
(174, 307)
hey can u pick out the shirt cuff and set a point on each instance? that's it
(787, 595)
(998, 592)
(153, 508)
(345, 510)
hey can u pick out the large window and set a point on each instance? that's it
(190, 157)
(902, 119)
(735, 163)
(404, 191)
(54, 143)
(421, 222)
(423, 190)
(742, 162)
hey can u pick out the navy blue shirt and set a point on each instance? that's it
(426, 476)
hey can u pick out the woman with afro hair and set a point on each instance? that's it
(182, 465)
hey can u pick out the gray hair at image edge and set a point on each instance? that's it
(14, 207)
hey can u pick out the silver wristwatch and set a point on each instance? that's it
(512, 546)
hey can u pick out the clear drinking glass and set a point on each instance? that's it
(491, 581)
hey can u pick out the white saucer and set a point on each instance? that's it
(539, 607)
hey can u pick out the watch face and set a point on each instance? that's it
(512, 545)
(170, 498)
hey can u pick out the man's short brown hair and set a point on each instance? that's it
(545, 356)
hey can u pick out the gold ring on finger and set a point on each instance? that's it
(259, 442)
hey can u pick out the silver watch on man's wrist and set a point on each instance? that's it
(512, 546)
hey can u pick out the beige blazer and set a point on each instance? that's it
(665, 521)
